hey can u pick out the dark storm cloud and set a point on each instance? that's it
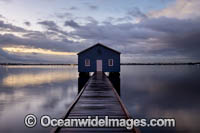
(9, 27)
(172, 25)
(119, 35)
(72, 24)
(38, 42)
(187, 44)
(37, 39)
(52, 26)
(182, 36)
(150, 37)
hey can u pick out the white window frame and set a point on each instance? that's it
(109, 61)
(87, 62)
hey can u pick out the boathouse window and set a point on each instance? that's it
(110, 62)
(87, 62)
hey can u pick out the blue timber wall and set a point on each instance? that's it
(99, 53)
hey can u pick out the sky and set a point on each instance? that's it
(54, 31)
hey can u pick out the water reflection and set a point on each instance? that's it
(25, 79)
(163, 91)
(147, 91)
(36, 78)
(55, 91)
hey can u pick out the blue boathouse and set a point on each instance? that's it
(99, 58)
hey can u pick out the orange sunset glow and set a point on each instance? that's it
(35, 50)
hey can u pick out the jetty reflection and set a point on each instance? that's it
(114, 77)
(82, 79)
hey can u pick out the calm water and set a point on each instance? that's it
(147, 91)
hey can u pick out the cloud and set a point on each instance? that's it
(156, 35)
(72, 24)
(180, 36)
(50, 25)
(64, 15)
(122, 33)
(9, 40)
(171, 25)
(73, 8)
(9, 57)
(1, 16)
(93, 7)
(9, 27)
(54, 38)
(181, 9)
(38, 42)
(151, 37)
(137, 13)
(27, 23)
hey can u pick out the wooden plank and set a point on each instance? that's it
(98, 98)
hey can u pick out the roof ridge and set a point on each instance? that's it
(96, 45)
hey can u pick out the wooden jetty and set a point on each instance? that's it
(97, 98)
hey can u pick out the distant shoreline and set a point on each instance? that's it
(7, 64)
(187, 63)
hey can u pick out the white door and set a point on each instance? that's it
(99, 65)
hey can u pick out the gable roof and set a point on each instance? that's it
(98, 44)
